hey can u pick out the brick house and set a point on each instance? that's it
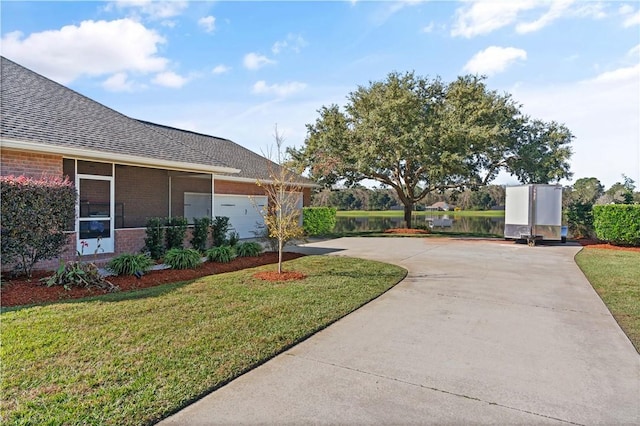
(125, 170)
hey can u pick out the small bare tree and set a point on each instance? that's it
(283, 189)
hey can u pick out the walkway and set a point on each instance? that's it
(479, 332)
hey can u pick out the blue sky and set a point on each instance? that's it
(235, 69)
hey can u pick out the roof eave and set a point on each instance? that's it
(267, 181)
(132, 160)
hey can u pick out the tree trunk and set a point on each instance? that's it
(279, 255)
(408, 209)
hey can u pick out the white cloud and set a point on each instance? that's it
(254, 61)
(293, 42)
(429, 28)
(483, 17)
(480, 17)
(556, 10)
(153, 9)
(119, 82)
(170, 79)
(494, 59)
(619, 75)
(280, 90)
(390, 8)
(625, 9)
(634, 52)
(632, 20)
(221, 69)
(603, 113)
(208, 23)
(93, 48)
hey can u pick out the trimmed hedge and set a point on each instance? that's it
(35, 213)
(618, 223)
(318, 220)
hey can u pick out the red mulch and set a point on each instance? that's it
(607, 246)
(20, 291)
(405, 231)
(283, 276)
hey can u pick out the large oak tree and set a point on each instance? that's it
(419, 135)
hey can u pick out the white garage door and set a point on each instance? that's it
(243, 212)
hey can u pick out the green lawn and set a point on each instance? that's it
(132, 358)
(400, 213)
(615, 275)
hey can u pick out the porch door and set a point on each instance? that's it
(95, 222)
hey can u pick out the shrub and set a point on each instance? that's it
(154, 241)
(618, 223)
(219, 229)
(178, 258)
(79, 274)
(200, 233)
(318, 220)
(129, 264)
(580, 219)
(222, 254)
(248, 249)
(175, 232)
(234, 238)
(35, 214)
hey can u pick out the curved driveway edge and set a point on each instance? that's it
(479, 332)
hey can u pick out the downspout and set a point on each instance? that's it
(169, 195)
(213, 188)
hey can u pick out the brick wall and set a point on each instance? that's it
(237, 188)
(30, 164)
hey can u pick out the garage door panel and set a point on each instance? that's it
(243, 212)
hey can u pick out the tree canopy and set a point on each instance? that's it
(419, 135)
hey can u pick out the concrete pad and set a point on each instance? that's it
(478, 332)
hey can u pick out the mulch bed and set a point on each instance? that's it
(21, 291)
(406, 231)
(607, 246)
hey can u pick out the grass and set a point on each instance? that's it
(400, 213)
(431, 234)
(134, 358)
(615, 275)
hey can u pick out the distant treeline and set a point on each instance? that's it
(361, 198)
(587, 191)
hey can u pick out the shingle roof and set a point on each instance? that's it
(36, 109)
(251, 165)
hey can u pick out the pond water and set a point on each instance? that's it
(445, 223)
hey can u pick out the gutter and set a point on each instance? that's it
(124, 159)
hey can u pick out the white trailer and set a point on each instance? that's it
(534, 213)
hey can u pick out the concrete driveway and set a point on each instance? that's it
(479, 332)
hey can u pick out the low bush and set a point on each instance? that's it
(318, 220)
(249, 249)
(201, 228)
(154, 241)
(79, 274)
(222, 254)
(618, 223)
(219, 229)
(35, 214)
(176, 231)
(234, 238)
(178, 258)
(129, 264)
